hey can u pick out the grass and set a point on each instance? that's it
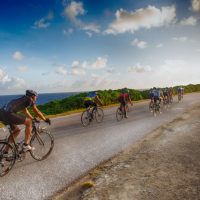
(88, 184)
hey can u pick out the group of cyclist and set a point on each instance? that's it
(9, 113)
(157, 95)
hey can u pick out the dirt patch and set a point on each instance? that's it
(165, 165)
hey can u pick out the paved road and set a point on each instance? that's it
(79, 149)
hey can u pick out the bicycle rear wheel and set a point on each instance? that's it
(85, 119)
(6, 162)
(43, 142)
(119, 114)
(99, 115)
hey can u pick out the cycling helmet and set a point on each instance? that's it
(127, 92)
(31, 93)
(95, 93)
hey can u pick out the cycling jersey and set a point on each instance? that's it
(19, 104)
(90, 97)
(165, 91)
(155, 93)
(124, 95)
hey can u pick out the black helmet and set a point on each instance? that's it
(31, 93)
(95, 92)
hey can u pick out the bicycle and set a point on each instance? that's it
(180, 97)
(151, 106)
(165, 102)
(120, 114)
(156, 109)
(88, 115)
(41, 140)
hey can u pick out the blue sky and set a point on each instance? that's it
(64, 45)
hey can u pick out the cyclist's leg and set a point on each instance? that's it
(28, 129)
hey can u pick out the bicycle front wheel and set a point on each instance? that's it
(6, 161)
(99, 115)
(43, 143)
(85, 119)
(119, 114)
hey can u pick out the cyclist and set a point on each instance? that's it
(160, 95)
(151, 97)
(166, 94)
(180, 91)
(11, 116)
(90, 100)
(171, 94)
(123, 98)
(156, 95)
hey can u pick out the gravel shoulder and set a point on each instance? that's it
(164, 165)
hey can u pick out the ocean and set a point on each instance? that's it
(41, 99)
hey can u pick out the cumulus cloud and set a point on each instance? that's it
(44, 22)
(159, 45)
(142, 18)
(139, 44)
(61, 71)
(68, 32)
(75, 9)
(22, 68)
(76, 72)
(189, 21)
(180, 38)
(110, 71)
(18, 56)
(195, 5)
(97, 64)
(7, 82)
(139, 68)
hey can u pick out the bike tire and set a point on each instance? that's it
(4, 169)
(43, 142)
(119, 114)
(99, 115)
(85, 120)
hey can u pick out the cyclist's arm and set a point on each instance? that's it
(129, 99)
(28, 114)
(37, 112)
(98, 99)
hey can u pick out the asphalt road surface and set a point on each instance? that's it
(78, 149)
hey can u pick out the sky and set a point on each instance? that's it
(86, 45)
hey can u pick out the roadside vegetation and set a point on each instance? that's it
(109, 97)
(75, 103)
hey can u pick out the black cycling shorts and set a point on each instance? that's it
(121, 100)
(165, 94)
(89, 103)
(13, 119)
(151, 95)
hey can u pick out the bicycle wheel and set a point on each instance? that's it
(179, 98)
(99, 115)
(151, 107)
(85, 119)
(119, 114)
(6, 162)
(43, 143)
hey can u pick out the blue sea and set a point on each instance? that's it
(41, 99)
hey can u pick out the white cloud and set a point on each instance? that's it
(142, 18)
(139, 68)
(43, 22)
(98, 63)
(180, 38)
(111, 71)
(18, 56)
(89, 34)
(7, 83)
(68, 32)
(76, 72)
(22, 68)
(139, 44)
(195, 5)
(73, 10)
(91, 27)
(159, 45)
(189, 21)
(61, 71)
